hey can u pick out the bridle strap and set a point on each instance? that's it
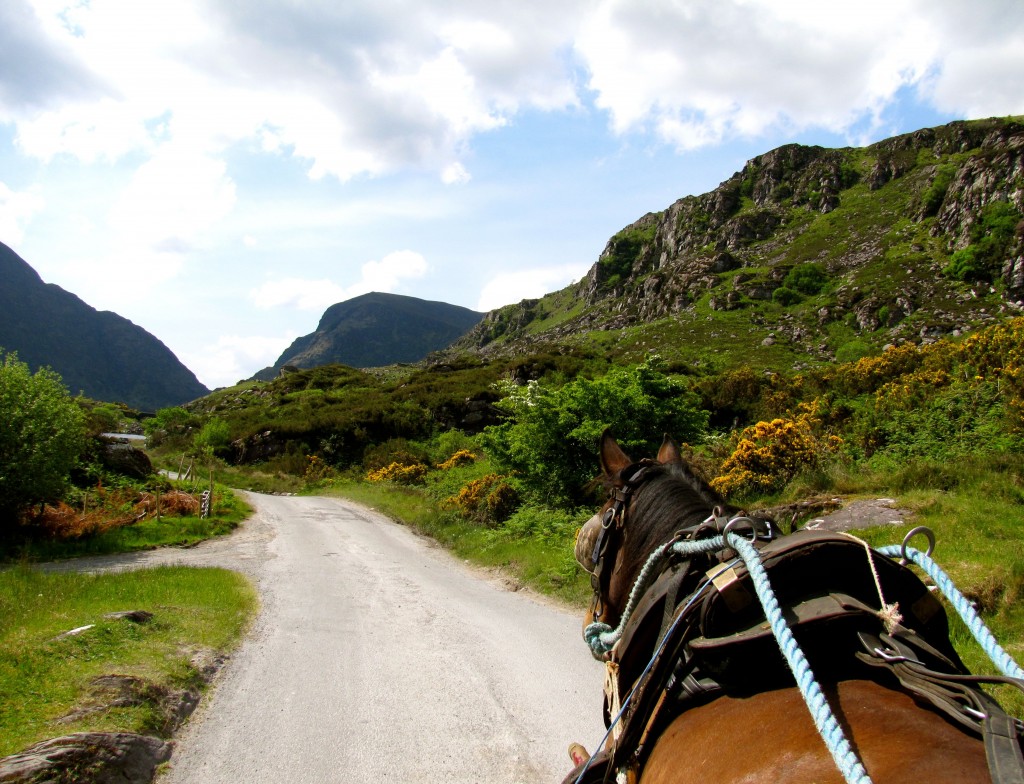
(612, 522)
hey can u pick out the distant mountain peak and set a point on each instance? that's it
(377, 329)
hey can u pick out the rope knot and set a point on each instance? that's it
(595, 635)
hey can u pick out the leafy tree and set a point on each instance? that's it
(103, 418)
(169, 423)
(42, 436)
(550, 437)
(213, 438)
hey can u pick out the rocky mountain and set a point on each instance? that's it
(805, 255)
(376, 329)
(98, 353)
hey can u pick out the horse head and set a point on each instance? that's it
(648, 502)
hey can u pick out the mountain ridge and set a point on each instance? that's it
(98, 353)
(884, 223)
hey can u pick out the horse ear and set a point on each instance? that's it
(669, 452)
(613, 459)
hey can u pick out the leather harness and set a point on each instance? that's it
(678, 651)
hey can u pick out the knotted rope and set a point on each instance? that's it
(602, 638)
(960, 603)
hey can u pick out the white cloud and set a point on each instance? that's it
(698, 73)
(303, 293)
(512, 287)
(234, 357)
(384, 275)
(318, 294)
(363, 87)
(455, 174)
(16, 210)
(175, 196)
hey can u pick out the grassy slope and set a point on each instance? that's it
(43, 678)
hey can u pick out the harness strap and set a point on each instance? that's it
(1002, 749)
(957, 696)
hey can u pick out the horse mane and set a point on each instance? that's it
(671, 497)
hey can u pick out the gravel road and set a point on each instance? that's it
(378, 657)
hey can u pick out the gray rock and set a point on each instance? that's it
(97, 757)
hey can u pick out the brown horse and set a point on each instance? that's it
(718, 707)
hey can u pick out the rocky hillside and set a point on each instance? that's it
(374, 330)
(805, 255)
(98, 353)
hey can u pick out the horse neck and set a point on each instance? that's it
(663, 505)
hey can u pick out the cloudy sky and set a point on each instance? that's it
(219, 172)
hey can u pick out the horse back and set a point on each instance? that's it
(770, 737)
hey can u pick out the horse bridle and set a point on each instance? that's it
(613, 521)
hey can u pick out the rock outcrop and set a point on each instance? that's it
(883, 223)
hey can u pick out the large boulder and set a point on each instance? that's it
(125, 459)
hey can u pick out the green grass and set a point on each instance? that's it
(43, 678)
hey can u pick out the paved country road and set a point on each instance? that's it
(379, 657)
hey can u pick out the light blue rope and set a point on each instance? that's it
(966, 610)
(629, 697)
(831, 732)
(600, 635)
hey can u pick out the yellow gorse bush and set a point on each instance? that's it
(462, 457)
(769, 454)
(399, 472)
(489, 498)
(317, 470)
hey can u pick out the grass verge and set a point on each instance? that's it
(47, 679)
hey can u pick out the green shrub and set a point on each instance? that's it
(550, 437)
(991, 237)
(785, 296)
(623, 251)
(854, 350)
(967, 265)
(932, 199)
(808, 278)
(536, 522)
(42, 436)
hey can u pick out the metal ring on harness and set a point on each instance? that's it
(735, 523)
(921, 529)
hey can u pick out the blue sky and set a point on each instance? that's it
(221, 172)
